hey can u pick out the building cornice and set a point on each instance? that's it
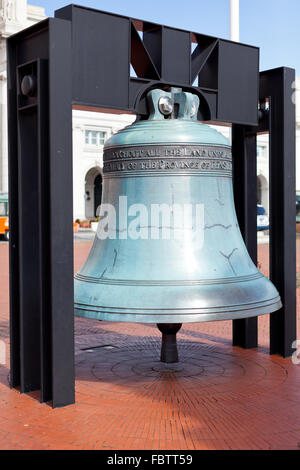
(17, 15)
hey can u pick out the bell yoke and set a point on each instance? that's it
(171, 159)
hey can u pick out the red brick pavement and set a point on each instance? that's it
(218, 397)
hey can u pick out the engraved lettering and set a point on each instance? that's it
(176, 158)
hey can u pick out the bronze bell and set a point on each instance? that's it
(168, 248)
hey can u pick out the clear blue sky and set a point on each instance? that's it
(273, 25)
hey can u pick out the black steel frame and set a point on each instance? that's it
(41, 206)
(276, 89)
(83, 57)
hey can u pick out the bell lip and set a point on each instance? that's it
(168, 315)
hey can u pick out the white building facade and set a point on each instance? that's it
(91, 129)
(15, 15)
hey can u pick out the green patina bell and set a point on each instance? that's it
(168, 248)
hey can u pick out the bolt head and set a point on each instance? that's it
(165, 105)
(28, 85)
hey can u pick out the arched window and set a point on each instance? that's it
(93, 192)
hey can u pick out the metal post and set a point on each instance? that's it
(276, 86)
(282, 206)
(15, 366)
(41, 250)
(245, 190)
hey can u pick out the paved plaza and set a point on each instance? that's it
(218, 397)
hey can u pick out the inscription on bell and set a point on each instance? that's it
(167, 165)
(168, 152)
(170, 158)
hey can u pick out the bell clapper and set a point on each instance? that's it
(169, 353)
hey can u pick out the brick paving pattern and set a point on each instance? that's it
(218, 397)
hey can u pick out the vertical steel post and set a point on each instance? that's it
(15, 366)
(61, 215)
(245, 194)
(282, 208)
(278, 87)
(40, 175)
